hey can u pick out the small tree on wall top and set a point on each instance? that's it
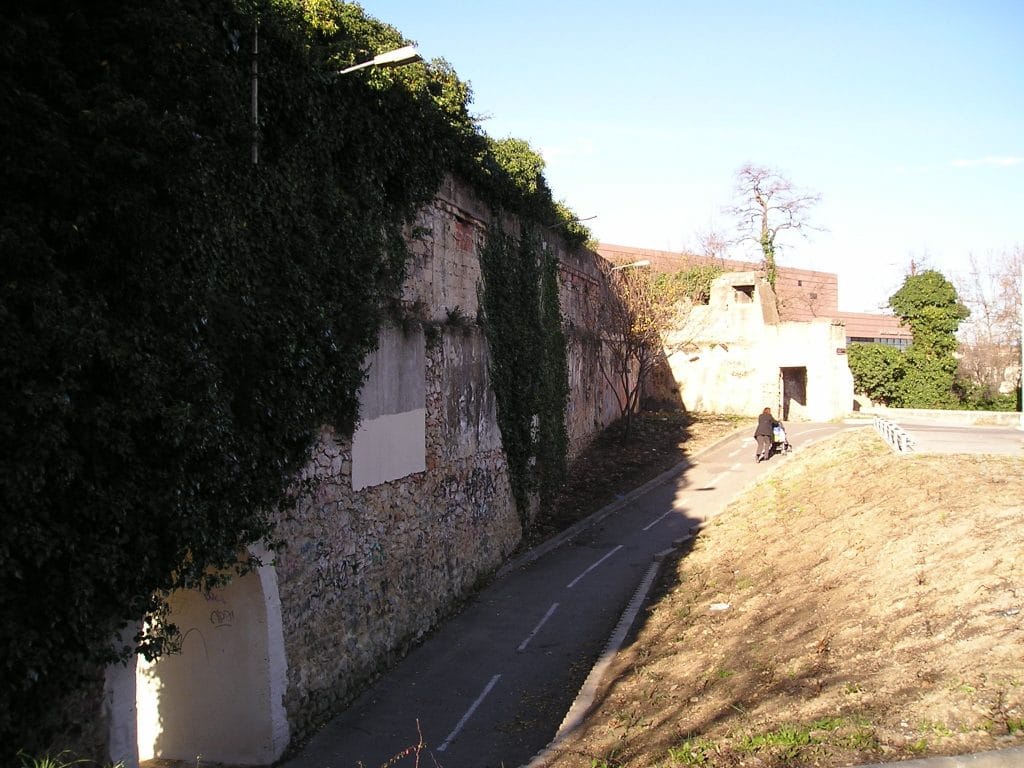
(768, 203)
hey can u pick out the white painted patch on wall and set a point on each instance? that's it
(390, 442)
(388, 448)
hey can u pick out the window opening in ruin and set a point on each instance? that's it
(743, 294)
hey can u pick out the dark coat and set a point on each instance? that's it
(765, 423)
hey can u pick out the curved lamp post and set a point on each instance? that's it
(399, 57)
(633, 264)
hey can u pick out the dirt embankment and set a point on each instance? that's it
(855, 606)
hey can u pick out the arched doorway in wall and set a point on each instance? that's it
(794, 392)
(222, 696)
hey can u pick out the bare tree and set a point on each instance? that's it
(768, 203)
(634, 322)
(990, 339)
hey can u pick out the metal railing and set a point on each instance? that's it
(894, 435)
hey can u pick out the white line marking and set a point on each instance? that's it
(657, 520)
(572, 583)
(469, 713)
(587, 693)
(713, 482)
(536, 629)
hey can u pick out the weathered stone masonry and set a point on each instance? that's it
(367, 573)
(394, 525)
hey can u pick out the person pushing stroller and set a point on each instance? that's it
(766, 434)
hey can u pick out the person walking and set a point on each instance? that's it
(766, 424)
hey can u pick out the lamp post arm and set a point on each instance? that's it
(400, 56)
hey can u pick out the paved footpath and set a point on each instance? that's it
(490, 687)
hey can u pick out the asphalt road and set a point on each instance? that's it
(932, 437)
(491, 686)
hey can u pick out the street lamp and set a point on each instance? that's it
(641, 263)
(399, 57)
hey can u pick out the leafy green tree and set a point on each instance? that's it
(924, 375)
(521, 162)
(928, 303)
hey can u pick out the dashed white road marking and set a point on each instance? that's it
(573, 583)
(741, 446)
(713, 482)
(529, 637)
(661, 517)
(469, 714)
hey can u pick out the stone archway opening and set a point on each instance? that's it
(222, 696)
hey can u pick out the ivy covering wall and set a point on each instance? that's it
(177, 322)
(523, 324)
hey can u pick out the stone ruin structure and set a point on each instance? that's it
(735, 355)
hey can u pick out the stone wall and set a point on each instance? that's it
(592, 402)
(367, 573)
(393, 526)
(444, 278)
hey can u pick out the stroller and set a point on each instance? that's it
(780, 443)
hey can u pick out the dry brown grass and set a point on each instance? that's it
(874, 613)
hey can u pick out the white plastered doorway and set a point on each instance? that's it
(222, 696)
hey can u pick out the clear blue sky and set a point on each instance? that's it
(906, 116)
